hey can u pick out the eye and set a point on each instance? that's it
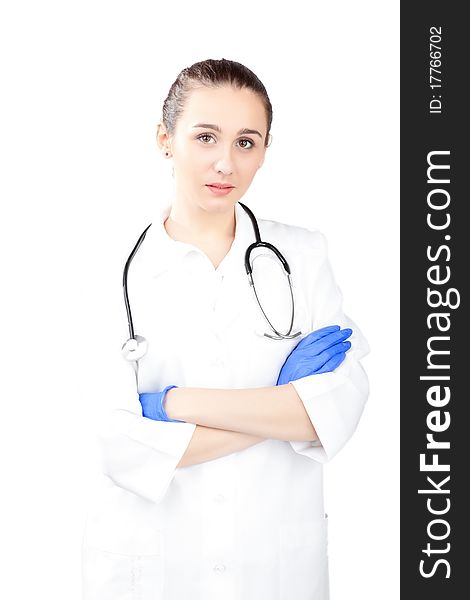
(203, 137)
(249, 142)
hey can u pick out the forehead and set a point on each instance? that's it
(225, 106)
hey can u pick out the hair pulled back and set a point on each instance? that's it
(212, 73)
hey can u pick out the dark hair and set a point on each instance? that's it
(211, 73)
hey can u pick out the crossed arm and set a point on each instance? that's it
(229, 420)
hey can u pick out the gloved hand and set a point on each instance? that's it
(153, 405)
(319, 352)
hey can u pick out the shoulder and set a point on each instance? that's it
(295, 238)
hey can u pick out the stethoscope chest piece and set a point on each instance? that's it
(134, 348)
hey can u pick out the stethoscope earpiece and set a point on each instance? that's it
(134, 348)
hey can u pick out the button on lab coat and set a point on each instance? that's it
(250, 525)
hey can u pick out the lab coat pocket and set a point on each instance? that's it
(113, 576)
(303, 572)
(122, 557)
(280, 309)
(267, 355)
(271, 290)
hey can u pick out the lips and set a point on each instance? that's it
(219, 189)
(220, 186)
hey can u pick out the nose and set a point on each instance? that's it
(224, 163)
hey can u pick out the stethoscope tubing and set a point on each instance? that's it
(136, 339)
(124, 282)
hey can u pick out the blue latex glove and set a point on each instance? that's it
(319, 352)
(153, 405)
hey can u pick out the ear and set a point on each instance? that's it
(162, 137)
(270, 137)
(261, 162)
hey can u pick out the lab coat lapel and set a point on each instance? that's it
(235, 296)
(235, 290)
(159, 253)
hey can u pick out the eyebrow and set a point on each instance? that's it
(217, 128)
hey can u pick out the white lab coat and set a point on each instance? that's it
(250, 525)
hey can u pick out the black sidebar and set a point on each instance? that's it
(434, 260)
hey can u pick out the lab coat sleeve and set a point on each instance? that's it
(138, 454)
(334, 401)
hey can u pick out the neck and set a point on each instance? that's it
(189, 221)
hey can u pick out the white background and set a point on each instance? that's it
(83, 84)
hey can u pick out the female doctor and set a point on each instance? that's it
(243, 377)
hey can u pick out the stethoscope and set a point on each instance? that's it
(136, 346)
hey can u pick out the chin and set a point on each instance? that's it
(219, 205)
(210, 202)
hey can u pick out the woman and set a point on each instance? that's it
(213, 461)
